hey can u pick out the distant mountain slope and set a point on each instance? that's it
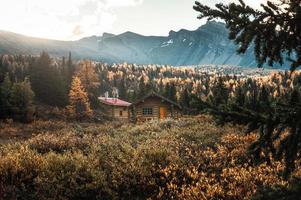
(12, 43)
(207, 45)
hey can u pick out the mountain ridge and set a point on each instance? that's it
(209, 44)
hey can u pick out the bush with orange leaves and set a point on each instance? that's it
(223, 172)
(171, 159)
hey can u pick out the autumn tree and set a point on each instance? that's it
(90, 80)
(79, 105)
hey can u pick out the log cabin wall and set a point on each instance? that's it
(120, 112)
(117, 112)
(155, 103)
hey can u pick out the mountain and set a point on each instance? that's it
(209, 44)
(12, 43)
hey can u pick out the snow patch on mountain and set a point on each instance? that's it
(166, 44)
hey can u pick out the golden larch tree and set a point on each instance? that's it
(90, 80)
(88, 76)
(79, 105)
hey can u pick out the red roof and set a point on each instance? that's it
(114, 102)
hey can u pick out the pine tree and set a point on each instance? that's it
(47, 82)
(122, 89)
(185, 99)
(21, 101)
(170, 91)
(5, 92)
(219, 93)
(79, 106)
(70, 68)
(142, 87)
(239, 98)
(274, 30)
(264, 98)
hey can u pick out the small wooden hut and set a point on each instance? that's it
(116, 108)
(155, 106)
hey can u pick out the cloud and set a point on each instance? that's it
(74, 19)
(252, 3)
(60, 19)
(121, 3)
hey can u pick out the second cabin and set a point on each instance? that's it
(116, 108)
(155, 106)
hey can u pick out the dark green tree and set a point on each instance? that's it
(70, 68)
(142, 87)
(239, 98)
(219, 93)
(21, 100)
(47, 82)
(185, 98)
(171, 91)
(5, 93)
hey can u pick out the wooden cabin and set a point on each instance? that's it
(116, 108)
(155, 106)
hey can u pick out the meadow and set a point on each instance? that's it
(189, 158)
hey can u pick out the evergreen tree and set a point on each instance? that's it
(274, 30)
(197, 103)
(142, 87)
(5, 92)
(70, 68)
(161, 87)
(264, 98)
(47, 82)
(219, 93)
(185, 99)
(122, 89)
(171, 91)
(21, 100)
(79, 105)
(239, 97)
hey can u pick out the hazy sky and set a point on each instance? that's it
(74, 19)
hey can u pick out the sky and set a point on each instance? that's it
(75, 19)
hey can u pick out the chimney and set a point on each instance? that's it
(117, 93)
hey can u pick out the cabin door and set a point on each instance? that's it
(162, 112)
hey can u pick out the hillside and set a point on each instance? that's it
(12, 43)
(209, 44)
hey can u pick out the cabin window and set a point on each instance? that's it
(147, 111)
(120, 113)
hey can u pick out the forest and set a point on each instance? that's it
(44, 93)
(27, 81)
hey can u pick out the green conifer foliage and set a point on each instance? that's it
(21, 101)
(274, 30)
(5, 92)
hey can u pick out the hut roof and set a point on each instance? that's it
(114, 102)
(154, 94)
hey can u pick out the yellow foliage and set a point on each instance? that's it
(79, 106)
